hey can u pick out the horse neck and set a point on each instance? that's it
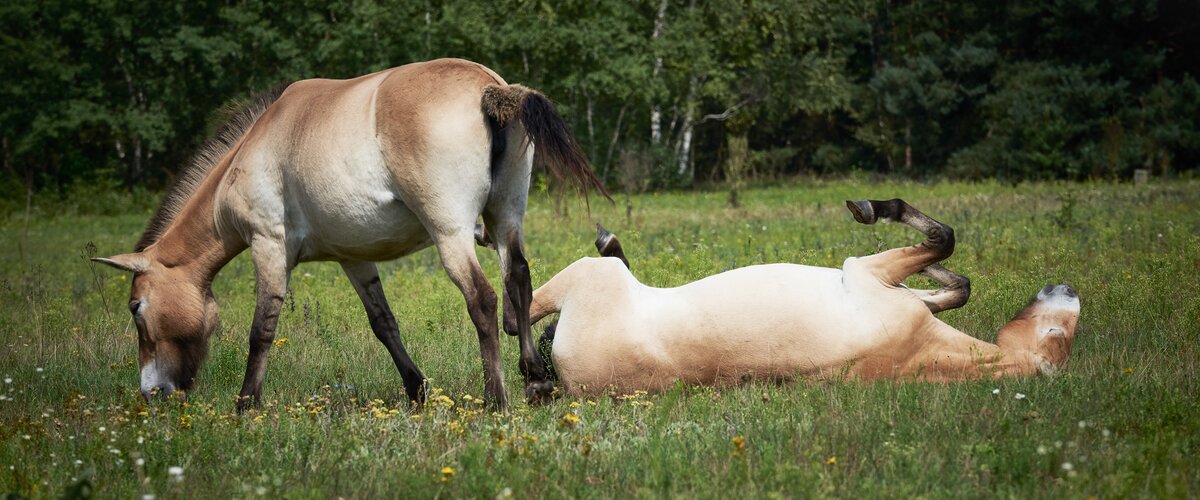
(193, 242)
(953, 354)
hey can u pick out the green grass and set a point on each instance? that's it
(1123, 413)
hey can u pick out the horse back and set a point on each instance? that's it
(355, 169)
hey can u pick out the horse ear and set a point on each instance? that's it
(132, 262)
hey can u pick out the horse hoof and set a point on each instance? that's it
(863, 213)
(538, 393)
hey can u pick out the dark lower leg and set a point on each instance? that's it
(955, 291)
(519, 290)
(481, 305)
(262, 334)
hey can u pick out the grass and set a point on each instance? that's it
(1120, 420)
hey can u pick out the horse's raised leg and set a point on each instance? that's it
(608, 245)
(365, 278)
(893, 266)
(271, 274)
(458, 258)
(955, 291)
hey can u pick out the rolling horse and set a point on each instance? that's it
(355, 171)
(779, 321)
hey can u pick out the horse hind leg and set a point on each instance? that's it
(365, 278)
(518, 295)
(458, 259)
(608, 245)
(893, 266)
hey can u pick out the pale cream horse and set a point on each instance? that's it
(778, 321)
(354, 171)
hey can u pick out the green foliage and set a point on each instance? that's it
(1120, 420)
(1016, 90)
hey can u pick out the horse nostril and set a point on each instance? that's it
(1070, 291)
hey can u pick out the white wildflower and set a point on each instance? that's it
(1019, 396)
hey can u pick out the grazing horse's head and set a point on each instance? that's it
(1046, 326)
(174, 317)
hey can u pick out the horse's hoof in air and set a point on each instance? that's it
(863, 213)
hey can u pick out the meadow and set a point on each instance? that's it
(1120, 420)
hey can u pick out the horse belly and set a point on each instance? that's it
(768, 322)
(366, 226)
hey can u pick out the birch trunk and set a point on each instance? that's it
(655, 109)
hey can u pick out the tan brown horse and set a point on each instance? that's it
(778, 321)
(355, 171)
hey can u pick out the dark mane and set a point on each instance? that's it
(206, 157)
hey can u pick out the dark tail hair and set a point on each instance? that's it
(555, 146)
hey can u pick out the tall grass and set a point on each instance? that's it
(1121, 419)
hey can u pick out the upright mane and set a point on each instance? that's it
(205, 158)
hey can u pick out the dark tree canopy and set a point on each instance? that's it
(661, 93)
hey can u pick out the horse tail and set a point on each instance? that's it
(554, 145)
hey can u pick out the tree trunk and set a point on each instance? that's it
(612, 144)
(685, 142)
(655, 110)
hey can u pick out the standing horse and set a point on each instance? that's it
(777, 321)
(355, 171)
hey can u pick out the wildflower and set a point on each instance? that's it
(832, 460)
(280, 342)
(447, 474)
(39, 369)
(8, 380)
(175, 472)
(1128, 371)
(1082, 424)
(1041, 450)
(996, 391)
(739, 444)
(148, 496)
(1067, 466)
(140, 462)
(1019, 396)
(569, 420)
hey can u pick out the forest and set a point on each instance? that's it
(662, 94)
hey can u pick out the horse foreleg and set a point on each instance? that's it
(955, 291)
(271, 270)
(458, 258)
(893, 266)
(365, 278)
